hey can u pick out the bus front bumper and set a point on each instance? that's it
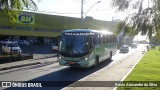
(81, 63)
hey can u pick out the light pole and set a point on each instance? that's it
(81, 24)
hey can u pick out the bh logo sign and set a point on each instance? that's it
(26, 18)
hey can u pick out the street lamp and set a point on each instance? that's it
(81, 14)
(86, 12)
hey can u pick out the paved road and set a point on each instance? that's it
(54, 72)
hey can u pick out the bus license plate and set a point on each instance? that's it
(71, 62)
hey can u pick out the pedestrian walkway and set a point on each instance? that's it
(115, 72)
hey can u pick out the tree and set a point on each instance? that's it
(144, 20)
(128, 30)
(13, 7)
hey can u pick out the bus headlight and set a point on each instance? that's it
(84, 58)
(59, 57)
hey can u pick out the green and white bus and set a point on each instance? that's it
(86, 47)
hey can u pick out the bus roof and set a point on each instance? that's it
(87, 31)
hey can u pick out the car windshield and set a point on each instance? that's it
(74, 45)
(124, 46)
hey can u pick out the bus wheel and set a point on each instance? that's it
(110, 57)
(96, 61)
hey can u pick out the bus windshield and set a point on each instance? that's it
(74, 45)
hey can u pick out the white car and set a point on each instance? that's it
(54, 47)
(11, 48)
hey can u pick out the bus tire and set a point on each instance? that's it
(96, 61)
(110, 57)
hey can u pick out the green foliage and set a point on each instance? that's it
(119, 27)
(145, 20)
(156, 21)
(128, 30)
(121, 4)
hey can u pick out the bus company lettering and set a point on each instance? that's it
(79, 33)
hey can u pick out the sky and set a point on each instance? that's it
(72, 8)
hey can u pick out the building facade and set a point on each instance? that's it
(43, 28)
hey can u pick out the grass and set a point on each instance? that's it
(147, 70)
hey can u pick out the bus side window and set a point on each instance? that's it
(115, 38)
(108, 38)
(111, 39)
(105, 39)
(96, 39)
(101, 39)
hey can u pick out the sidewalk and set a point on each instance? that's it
(28, 62)
(118, 71)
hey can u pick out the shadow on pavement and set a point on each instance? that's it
(63, 77)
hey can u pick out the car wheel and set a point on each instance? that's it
(19, 54)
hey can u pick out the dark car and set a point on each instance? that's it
(133, 45)
(23, 43)
(124, 49)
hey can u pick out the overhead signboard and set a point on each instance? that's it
(26, 18)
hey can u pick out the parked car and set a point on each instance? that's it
(133, 45)
(124, 49)
(11, 48)
(54, 46)
(15, 41)
(4, 41)
(23, 43)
